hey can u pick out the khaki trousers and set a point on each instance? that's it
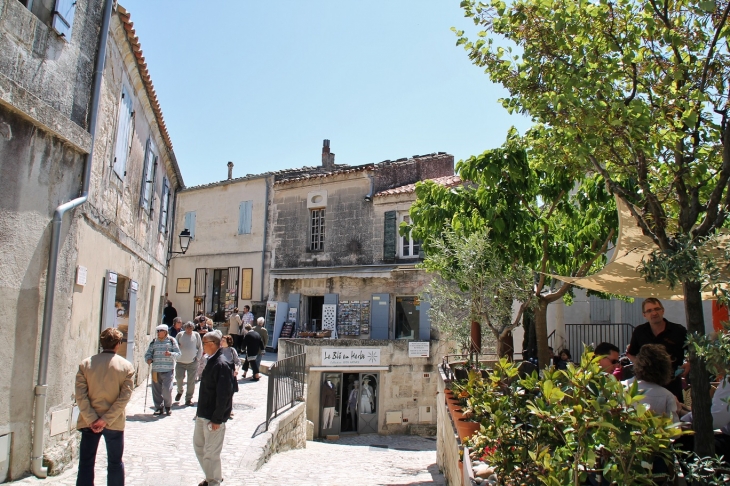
(208, 445)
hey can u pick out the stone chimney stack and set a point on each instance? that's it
(230, 170)
(328, 159)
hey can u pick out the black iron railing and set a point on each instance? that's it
(579, 334)
(286, 381)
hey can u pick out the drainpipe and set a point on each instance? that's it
(266, 219)
(41, 388)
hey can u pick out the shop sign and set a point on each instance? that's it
(418, 349)
(350, 356)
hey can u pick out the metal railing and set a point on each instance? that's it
(286, 381)
(579, 334)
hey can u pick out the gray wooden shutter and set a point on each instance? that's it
(132, 320)
(390, 236)
(190, 223)
(153, 181)
(144, 192)
(244, 217)
(164, 205)
(63, 17)
(379, 316)
(109, 311)
(124, 132)
(424, 321)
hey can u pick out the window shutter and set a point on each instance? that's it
(124, 132)
(244, 217)
(190, 223)
(144, 192)
(390, 236)
(153, 180)
(63, 17)
(164, 205)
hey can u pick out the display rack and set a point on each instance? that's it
(353, 318)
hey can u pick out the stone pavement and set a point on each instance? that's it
(159, 451)
(363, 460)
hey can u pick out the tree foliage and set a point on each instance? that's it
(551, 220)
(475, 283)
(637, 92)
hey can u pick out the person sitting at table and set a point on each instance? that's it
(720, 411)
(563, 359)
(653, 370)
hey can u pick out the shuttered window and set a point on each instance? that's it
(409, 248)
(390, 236)
(164, 205)
(124, 133)
(245, 209)
(63, 17)
(148, 176)
(190, 223)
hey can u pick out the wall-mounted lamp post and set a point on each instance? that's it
(185, 238)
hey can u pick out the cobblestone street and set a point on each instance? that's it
(159, 452)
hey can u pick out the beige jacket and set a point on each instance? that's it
(103, 387)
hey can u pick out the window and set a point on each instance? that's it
(190, 223)
(124, 133)
(316, 226)
(244, 217)
(149, 172)
(164, 205)
(408, 247)
(59, 14)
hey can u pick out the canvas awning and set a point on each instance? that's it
(619, 276)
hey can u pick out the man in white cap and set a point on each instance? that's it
(161, 354)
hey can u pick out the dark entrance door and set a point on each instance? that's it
(220, 286)
(330, 404)
(407, 318)
(314, 304)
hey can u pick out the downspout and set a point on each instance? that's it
(36, 458)
(266, 222)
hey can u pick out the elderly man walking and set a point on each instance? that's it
(161, 354)
(103, 388)
(191, 352)
(215, 402)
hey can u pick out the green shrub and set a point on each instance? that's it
(558, 428)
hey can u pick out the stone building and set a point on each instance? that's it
(224, 266)
(339, 265)
(92, 150)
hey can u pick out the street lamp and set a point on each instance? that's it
(185, 238)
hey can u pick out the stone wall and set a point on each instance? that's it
(447, 441)
(287, 431)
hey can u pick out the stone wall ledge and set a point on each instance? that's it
(287, 431)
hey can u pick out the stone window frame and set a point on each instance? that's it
(317, 220)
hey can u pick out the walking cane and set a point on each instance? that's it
(146, 390)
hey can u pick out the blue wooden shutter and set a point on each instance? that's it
(144, 192)
(244, 217)
(424, 321)
(63, 17)
(124, 132)
(164, 204)
(379, 316)
(190, 222)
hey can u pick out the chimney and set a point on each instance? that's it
(328, 159)
(230, 170)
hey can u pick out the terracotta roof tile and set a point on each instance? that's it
(447, 181)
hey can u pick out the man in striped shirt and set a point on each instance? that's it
(161, 354)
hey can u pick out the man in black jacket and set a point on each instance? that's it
(215, 401)
(253, 344)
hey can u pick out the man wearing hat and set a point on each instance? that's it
(161, 354)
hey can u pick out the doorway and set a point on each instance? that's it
(220, 289)
(355, 403)
(314, 305)
(407, 317)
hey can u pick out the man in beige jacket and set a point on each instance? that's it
(103, 388)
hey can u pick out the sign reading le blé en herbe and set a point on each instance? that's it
(350, 356)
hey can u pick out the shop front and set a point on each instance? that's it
(216, 292)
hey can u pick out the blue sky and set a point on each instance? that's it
(263, 83)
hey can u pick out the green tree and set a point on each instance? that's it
(538, 217)
(475, 283)
(637, 92)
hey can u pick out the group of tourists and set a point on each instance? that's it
(193, 352)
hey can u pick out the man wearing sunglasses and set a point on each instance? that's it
(658, 330)
(609, 354)
(215, 402)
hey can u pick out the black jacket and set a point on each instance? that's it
(169, 315)
(253, 343)
(215, 399)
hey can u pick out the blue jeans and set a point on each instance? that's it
(87, 456)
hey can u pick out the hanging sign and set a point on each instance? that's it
(418, 349)
(350, 356)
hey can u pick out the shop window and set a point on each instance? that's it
(316, 230)
(407, 317)
(408, 247)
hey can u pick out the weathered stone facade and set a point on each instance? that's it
(45, 102)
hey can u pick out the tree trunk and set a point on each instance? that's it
(543, 354)
(699, 377)
(505, 346)
(475, 345)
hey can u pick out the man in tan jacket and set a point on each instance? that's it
(103, 388)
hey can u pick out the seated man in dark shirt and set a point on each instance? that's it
(660, 331)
